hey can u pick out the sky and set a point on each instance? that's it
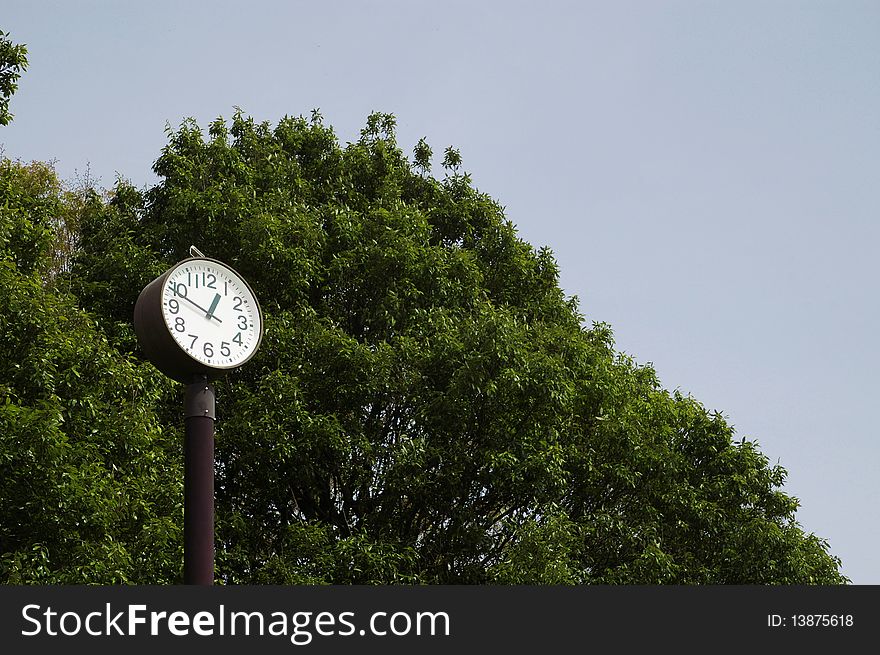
(705, 172)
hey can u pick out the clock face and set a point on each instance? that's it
(211, 313)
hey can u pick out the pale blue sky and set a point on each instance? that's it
(705, 172)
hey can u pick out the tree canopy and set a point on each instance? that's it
(13, 62)
(428, 406)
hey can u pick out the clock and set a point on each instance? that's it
(200, 317)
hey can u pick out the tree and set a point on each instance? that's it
(427, 404)
(13, 62)
(90, 486)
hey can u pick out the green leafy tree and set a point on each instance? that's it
(427, 405)
(90, 486)
(13, 62)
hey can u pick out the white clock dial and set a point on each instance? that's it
(211, 313)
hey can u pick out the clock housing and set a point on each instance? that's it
(200, 317)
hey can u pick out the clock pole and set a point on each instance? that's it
(198, 492)
(167, 333)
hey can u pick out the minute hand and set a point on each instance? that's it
(197, 306)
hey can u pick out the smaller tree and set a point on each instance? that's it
(13, 62)
(90, 483)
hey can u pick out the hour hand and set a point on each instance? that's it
(213, 306)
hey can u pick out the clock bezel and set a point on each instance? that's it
(159, 344)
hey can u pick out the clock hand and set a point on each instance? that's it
(193, 303)
(213, 306)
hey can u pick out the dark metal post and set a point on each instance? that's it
(198, 483)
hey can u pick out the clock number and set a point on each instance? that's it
(179, 325)
(209, 280)
(225, 288)
(174, 305)
(224, 349)
(237, 338)
(237, 305)
(194, 338)
(208, 349)
(242, 322)
(180, 289)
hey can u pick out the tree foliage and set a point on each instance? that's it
(13, 62)
(90, 484)
(427, 405)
